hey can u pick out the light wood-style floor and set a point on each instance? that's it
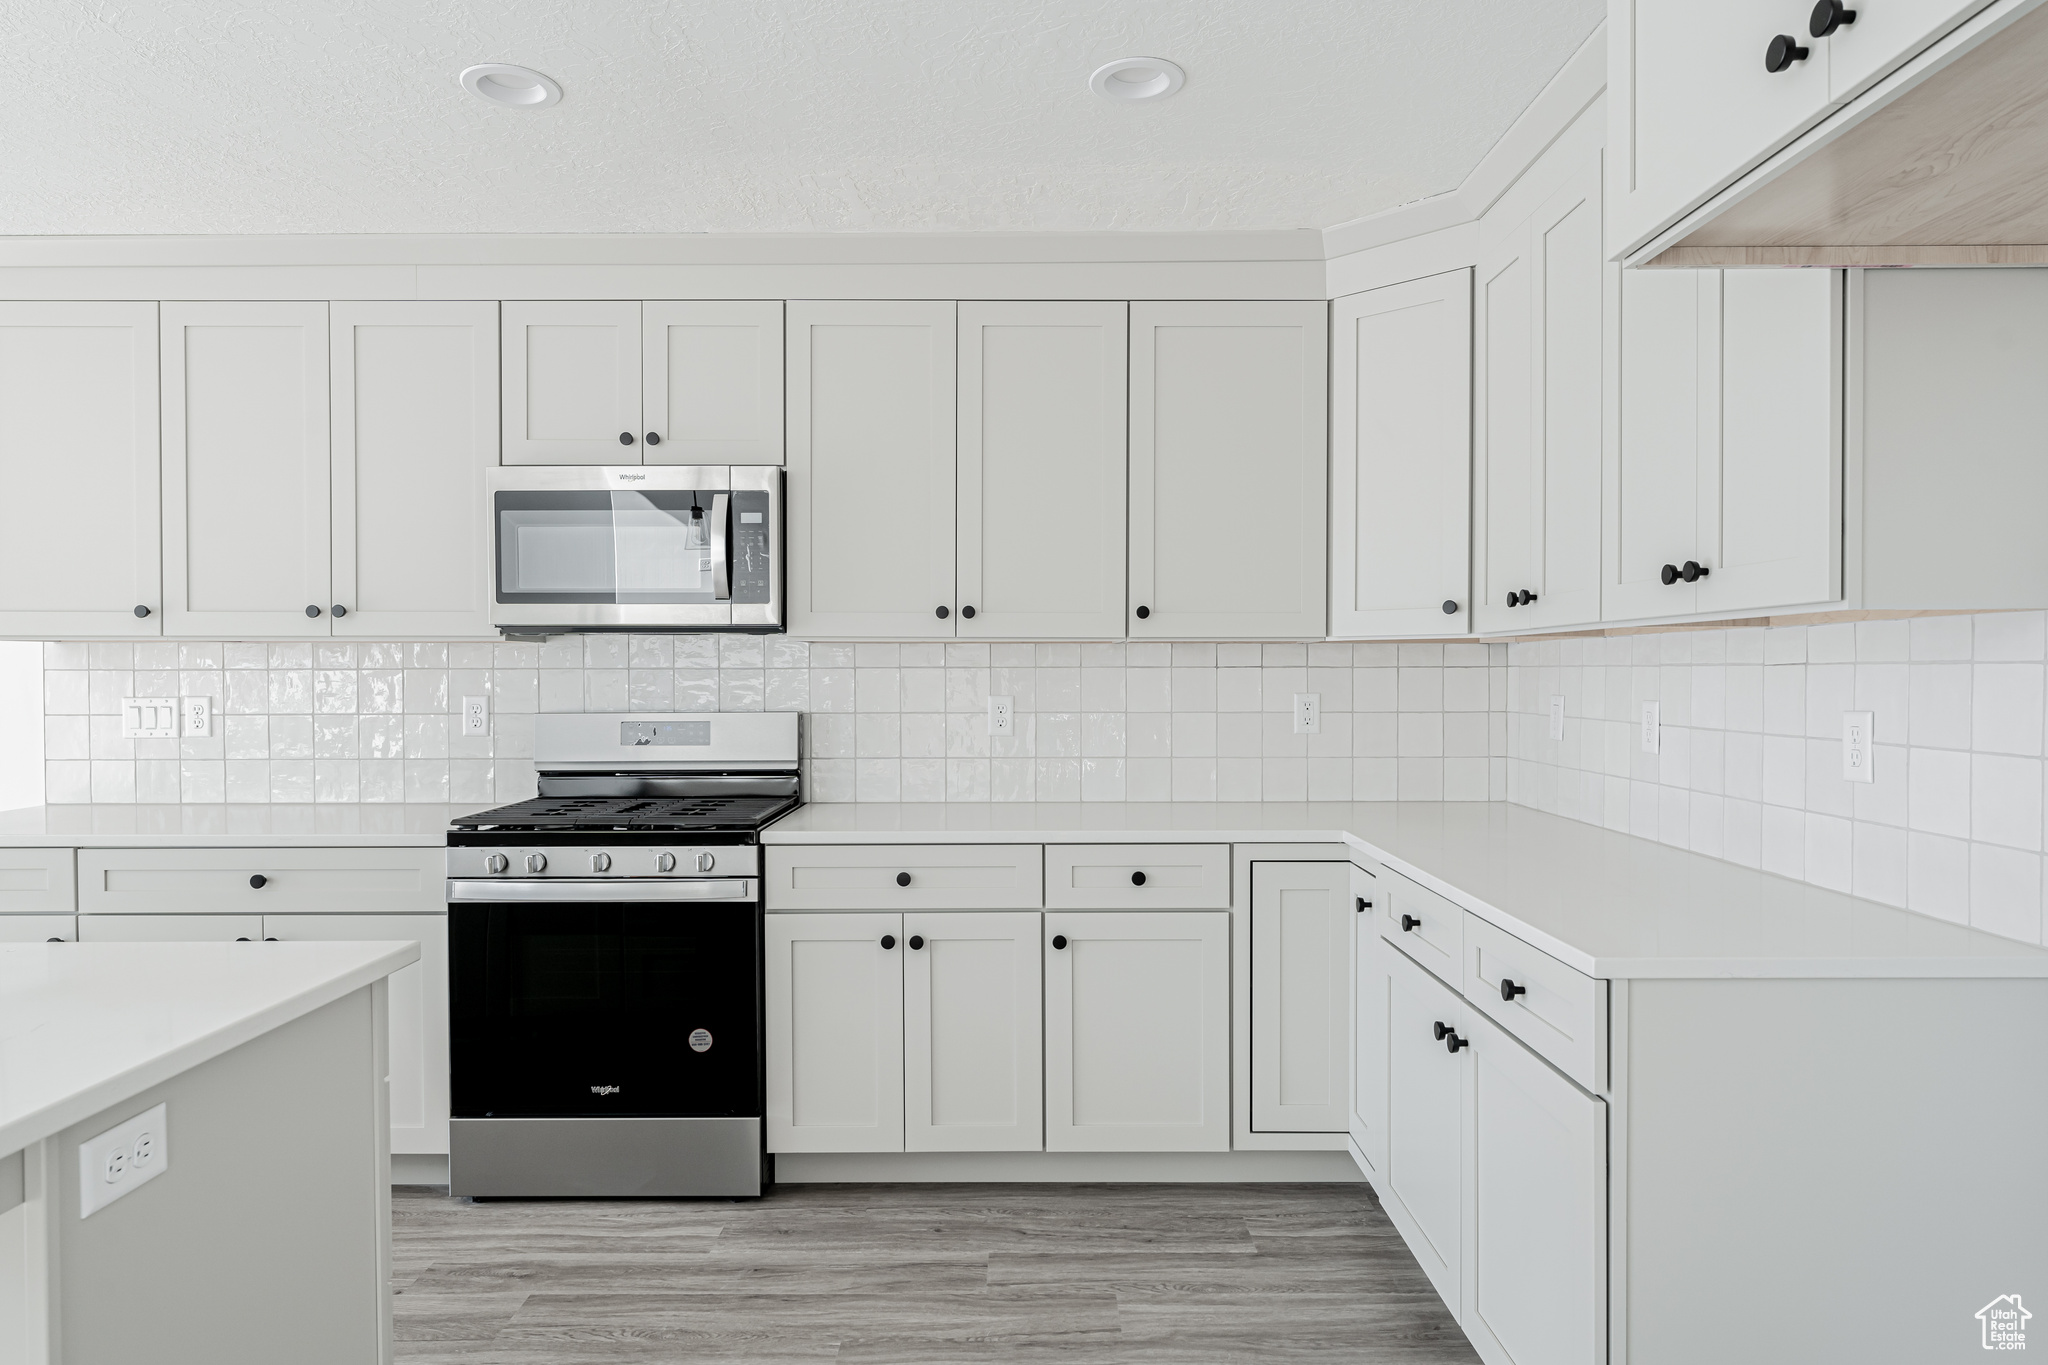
(903, 1274)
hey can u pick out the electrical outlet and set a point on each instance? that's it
(1651, 737)
(476, 716)
(1557, 717)
(198, 714)
(1002, 715)
(1308, 713)
(1856, 747)
(149, 717)
(121, 1158)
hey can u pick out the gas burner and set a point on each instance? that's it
(633, 813)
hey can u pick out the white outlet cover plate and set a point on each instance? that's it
(476, 716)
(125, 1156)
(1002, 715)
(198, 715)
(1557, 717)
(1652, 737)
(1856, 747)
(1308, 713)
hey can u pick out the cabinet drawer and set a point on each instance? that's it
(1137, 876)
(37, 928)
(905, 877)
(37, 881)
(1422, 924)
(211, 881)
(1557, 1010)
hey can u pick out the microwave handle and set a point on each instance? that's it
(721, 551)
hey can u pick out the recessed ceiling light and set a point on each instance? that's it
(1137, 78)
(516, 87)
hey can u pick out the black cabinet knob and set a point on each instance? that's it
(1452, 1042)
(270, 938)
(625, 438)
(888, 940)
(944, 612)
(916, 942)
(654, 438)
(1509, 990)
(1828, 16)
(1409, 922)
(1693, 571)
(1521, 599)
(967, 612)
(1137, 879)
(312, 611)
(1441, 1029)
(1144, 612)
(1514, 600)
(1363, 905)
(1669, 574)
(902, 879)
(1782, 52)
(53, 940)
(141, 611)
(258, 882)
(1450, 607)
(339, 610)
(1059, 940)
(242, 938)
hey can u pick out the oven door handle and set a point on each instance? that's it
(566, 890)
(721, 552)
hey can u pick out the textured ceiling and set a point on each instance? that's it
(211, 116)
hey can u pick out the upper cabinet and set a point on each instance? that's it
(1401, 464)
(1229, 471)
(608, 382)
(245, 460)
(79, 550)
(1041, 470)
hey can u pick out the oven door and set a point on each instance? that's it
(575, 1005)
(636, 547)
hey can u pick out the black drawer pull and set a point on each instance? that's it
(1509, 990)
(1137, 879)
(259, 881)
(1409, 922)
(902, 879)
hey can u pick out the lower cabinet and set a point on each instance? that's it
(973, 1056)
(1367, 1122)
(835, 1032)
(37, 928)
(1423, 1187)
(1137, 1031)
(1301, 925)
(168, 928)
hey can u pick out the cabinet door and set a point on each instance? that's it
(1540, 417)
(168, 928)
(418, 998)
(1137, 1031)
(1301, 927)
(1669, 329)
(1401, 472)
(1691, 106)
(973, 1055)
(415, 427)
(871, 470)
(79, 529)
(1536, 1240)
(835, 1033)
(1771, 521)
(38, 928)
(713, 387)
(245, 503)
(1368, 1120)
(1428, 1089)
(572, 382)
(1042, 469)
(1229, 470)
(1886, 35)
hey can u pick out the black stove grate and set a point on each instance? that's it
(633, 812)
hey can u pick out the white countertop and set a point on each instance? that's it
(419, 825)
(1611, 905)
(84, 1026)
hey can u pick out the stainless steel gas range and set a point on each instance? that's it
(605, 961)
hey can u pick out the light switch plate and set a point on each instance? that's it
(126, 1155)
(476, 716)
(1308, 713)
(198, 714)
(1002, 715)
(1857, 754)
(149, 717)
(1557, 717)
(1651, 736)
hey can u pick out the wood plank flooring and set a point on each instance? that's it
(918, 1275)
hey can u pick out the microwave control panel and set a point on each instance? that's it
(751, 524)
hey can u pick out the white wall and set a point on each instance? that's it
(21, 725)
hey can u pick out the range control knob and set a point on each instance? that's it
(664, 862)
(536, 862)
(705, 862)
(600, 862)
(496, 863)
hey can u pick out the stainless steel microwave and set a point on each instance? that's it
(636, 547)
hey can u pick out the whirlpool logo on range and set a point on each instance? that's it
(604, 1089)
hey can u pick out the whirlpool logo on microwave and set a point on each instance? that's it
(604, 1089)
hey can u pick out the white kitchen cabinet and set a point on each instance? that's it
(38, 880)
(1301, 933)
(415, 426)
(1728, 454)
(973, 1053)
(1884, 35)
(1401, 459)
(1539, 315)
(871, 449)
(245, 459)
(259, 881)
(169, 928)
(1137, 1031)
(835, 1032)
(1042, 402)
(571, 374)
(712, 386)
(79, 528)
(1229, 470)
(1428, 1089)
(38, 928)
(418, 1005)
(1367, 1123)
